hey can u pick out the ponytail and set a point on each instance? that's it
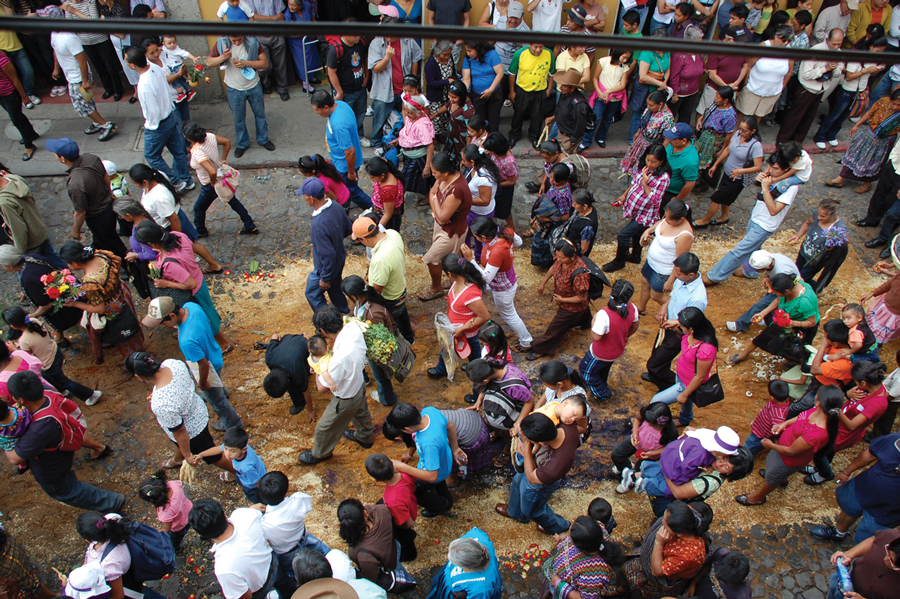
(18, 318)
(352, 521)
(95, 527)
(483, 163)
(830, 398)
(492, 336)
(554, 372)
(148, 232)
(155, 490)
(141, 173)
(454, 265)
(315, 165)
(619, 296)
(73, 252)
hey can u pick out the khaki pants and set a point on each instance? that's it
(338, 414)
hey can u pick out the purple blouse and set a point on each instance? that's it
(682, 460)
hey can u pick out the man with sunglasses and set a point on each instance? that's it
(876, 568)
(871, 495)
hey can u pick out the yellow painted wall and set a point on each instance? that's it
(208, 10)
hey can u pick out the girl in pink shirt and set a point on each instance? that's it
(317, 166)
(651, 431)
(172, 507)
(387, 192)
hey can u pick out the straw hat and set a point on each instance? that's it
(571, 77)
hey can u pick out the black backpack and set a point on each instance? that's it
(597, 278)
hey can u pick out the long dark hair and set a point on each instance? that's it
(753, 124)
(830, 398)
(493, 337)
(154, 489)
(482, 162)
(689, 518)
(703, 330)
(148, 232)
(554, 372)
(453, 264)
(313, 166)
(443, 163)
(458, 88)
(140, 173)
(481, 48)
(779, 18)
(15, 316)
(619, 296)
(73, 252)
(660, 414)
(658, 151)
(495, 142)
(352, 519)
(484, 226)
(588, 537)
(93, 526)
(378, 167)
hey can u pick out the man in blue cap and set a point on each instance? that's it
(330, 225)
(684, 162)
(89, 191)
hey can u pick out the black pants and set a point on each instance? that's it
(530, 105)
(659, 366)
(884, 425)
(12, 104)
(40, 52)
(103, 228)
(434, 497)
(489, 109)
(884, 196)
(685, 109)
(563, 321)
(728, 191)
(622, 453)
(407, 539)
(401, 317)
(106, 65)
(666, 198)
(799, 117)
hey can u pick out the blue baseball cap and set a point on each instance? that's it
(679, 131)
(65, 147)
(313, 186)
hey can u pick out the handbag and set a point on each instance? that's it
(229, 179)
(121, 328)
(858, 108)
(179, 296)
(402, 360)
(749, 179)
(710, 391)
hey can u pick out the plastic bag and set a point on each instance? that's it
(444, 330)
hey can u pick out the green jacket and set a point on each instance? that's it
(22, 221)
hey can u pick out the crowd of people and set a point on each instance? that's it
(686, 136)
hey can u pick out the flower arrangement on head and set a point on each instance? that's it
(195, 74)
(61, 286)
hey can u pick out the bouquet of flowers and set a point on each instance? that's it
(194, 75)
(835, 237)
(61, 286)
(380, 343)
(154, 271)
(781, 318)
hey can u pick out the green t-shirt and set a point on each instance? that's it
(658, 63)
(707, 484)
(685, 167)
(388, 265)
(803, 306)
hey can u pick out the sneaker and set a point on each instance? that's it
(639, 484)
(379, 151)
(731, 326)
(108, 131)
(180, 187)
(828, 533)
(34, 99)
(808, 469)
(58, 92)
(94, 128)
(190, 186)
(374, 395)
(627, 481)
(93, 399)
(180, 97)
(365, 142)
(616, 471)
(815, 479)
(517, 241)
(371, 111)
(191, 95)
(820, 145)
(833, 143)
(29, 105)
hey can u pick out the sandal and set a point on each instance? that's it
(170, 464)
(226, 477)
(427, 295)
(106, 451)
(260, 345)
(833, 184)
(228, 349)
(501, 460)
(209, 271)
(732, 360)
(742, 499)
(864, 188)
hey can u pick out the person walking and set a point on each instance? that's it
(98, 48)
(345, 64)
(23, 224)
(89, 192)
(243, 57)
(342, 137)
(387, 55)
(12, 97)
(348, 402)
(162, 123)
(330, 225)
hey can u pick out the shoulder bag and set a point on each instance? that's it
(749, 178)
(710, 391)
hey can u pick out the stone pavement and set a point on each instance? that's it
(785, 561)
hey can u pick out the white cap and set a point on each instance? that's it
(761, 259)
(724, 439)
(110, 167)
(87, 581)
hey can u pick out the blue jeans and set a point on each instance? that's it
(630, 234)
(357, 102)
(641, 11)
(285, 560)
(596, 374)
(47, 250)
(386, 395)
(204, 201)
(670, 396)
(637, 102)
(743, 322)
(315, 295)
(654, 481)
(476, 353)
(251, 493)
(238, 100)
(528, 501)
(381, 112)
(357, 195)
(168, 136)
(840, 110)
(26, 72)
(884, 87)
(889, 223)
(753, 444)
(654, 25)
(604, 113)
(71, 491)
(217, 398)
(849, 504)
(752, 241)
(56, 377)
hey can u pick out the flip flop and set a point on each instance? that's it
(742, 499)
(430, 295)
(228, 349)
(716, 223)
(170, 464)
(106, 451)
(226, 477)
(733, 360)
(209, 271)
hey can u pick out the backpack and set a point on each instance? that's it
(152, 554)
(500, 410)
(582, 170)
(68, 419)
(596, 276)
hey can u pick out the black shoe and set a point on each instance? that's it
(430, 514)
(268, 145)
(284, 96)
(296, 410)
(267, 90)
(132, 99)
(434, 374)
(645, 376)
(512, 142)
(602, 144)
(863, 223)
(885, 253)
(106, 95)
(350, 434)
(536, 146)
(307, 458)
(633, 257)
(532, 187)
(117, 97)
(470, 398)
(238, 152)
(875, 243)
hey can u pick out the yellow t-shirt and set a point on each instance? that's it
(549, 410)
(9, 41)
(531, 71)
(564, 62)
(320, 365)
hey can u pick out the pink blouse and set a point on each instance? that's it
(416, 133)
(184, 266)
(338, 188)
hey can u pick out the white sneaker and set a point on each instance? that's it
(370, 111)
(855, 120)
(517, 241)
(833, 143)
(616, 471)
(180, 187)
(731, 326)
(29, 104)
(58, 92)
(365, 142)
(820, 145)
(93, 399)
(627, 481)
(374, 395)
(639, 484)
(34, 99)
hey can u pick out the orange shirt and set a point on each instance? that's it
(838, 370)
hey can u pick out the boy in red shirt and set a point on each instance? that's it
(774, 412)
(400, 498)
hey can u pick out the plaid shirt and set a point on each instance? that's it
(562, 284)
(801, 40)
(638, 205)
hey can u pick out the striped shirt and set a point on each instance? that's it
(771, 414)
(208, 150)
(6, 84)
(587, 574)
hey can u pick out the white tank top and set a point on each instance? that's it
(661, 254)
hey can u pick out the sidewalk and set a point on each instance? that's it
(294, 128)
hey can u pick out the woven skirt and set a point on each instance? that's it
(865, 156)
(885, 324)
(708, 147)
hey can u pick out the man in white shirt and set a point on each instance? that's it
(768, 265)
(348, 403)
(162, 123)
(512, 22)
(546, 15)
(244, 563)
(243, 57)
(833, 17)
(316, 570)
